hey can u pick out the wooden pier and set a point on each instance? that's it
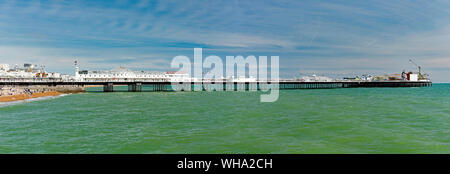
(234, 86)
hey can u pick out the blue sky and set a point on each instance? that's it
(333, 38)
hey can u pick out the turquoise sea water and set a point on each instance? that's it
(357, 120)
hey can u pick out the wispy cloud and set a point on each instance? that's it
(335, 36)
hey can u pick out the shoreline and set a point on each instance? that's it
(19, 97)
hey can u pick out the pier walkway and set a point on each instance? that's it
(137, 86)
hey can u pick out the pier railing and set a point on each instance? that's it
(165, 85)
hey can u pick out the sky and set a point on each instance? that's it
(331, 38)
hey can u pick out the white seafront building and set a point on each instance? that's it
(315, 78)
(125, 75)
(26, 73)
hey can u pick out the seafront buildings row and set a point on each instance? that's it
(27, 71)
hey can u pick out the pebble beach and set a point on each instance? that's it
(15, 93)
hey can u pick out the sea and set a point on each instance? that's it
(337, 121)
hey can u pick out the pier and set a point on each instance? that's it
(133, 86)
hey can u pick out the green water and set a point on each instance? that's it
(359, 120)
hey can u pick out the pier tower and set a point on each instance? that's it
(77, 70)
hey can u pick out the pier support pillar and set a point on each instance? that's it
(132, 88)
(108, 87)
(137, 87)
